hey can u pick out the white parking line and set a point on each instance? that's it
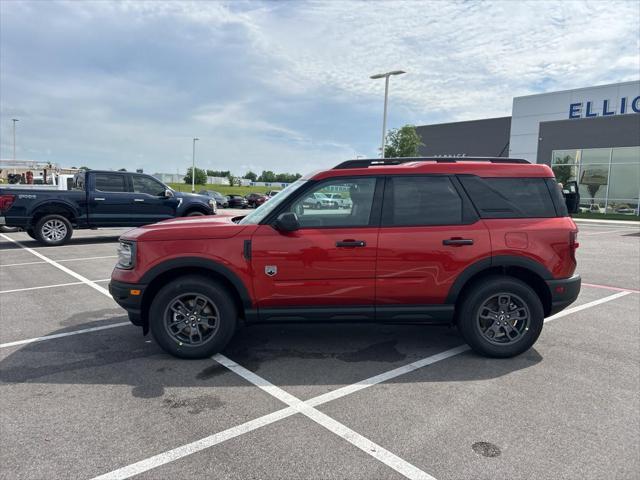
(590, 234)
(85, 280)
(60, 335)
(354, 438)
(50, 286)
(59, 261)
(217, 438)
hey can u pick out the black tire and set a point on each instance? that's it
(486, 308)
(31, 233)
(195, 213)
(53, 230)
(220, 306)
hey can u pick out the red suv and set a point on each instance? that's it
(485, 243)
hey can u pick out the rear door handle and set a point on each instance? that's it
(138, 199)
(99, 199)
(458, 241)
(351, 243)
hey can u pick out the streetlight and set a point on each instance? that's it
(386, 95)
(14, 120)
(193, 167)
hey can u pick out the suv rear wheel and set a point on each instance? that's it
(53, 230)
(192, 317)
(501, 316)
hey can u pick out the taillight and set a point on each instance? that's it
(573, 243)
(6, 201)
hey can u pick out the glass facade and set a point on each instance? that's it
(608, 178)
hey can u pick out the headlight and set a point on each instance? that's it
(126, 255)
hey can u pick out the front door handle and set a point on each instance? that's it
(138, 199)
(99, 199)
(351, 243)
(458, 241)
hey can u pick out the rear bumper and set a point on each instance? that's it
(124, 294)
(563, 292)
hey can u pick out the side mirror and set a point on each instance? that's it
(168, 193)
(287, 222)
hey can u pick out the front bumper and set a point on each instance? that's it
(563, 292)
(129, 297)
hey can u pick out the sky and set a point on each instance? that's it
(282, 86)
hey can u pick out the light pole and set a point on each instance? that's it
(193, 166)
(386, 96)
(14, 120)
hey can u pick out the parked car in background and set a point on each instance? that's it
(256, 199)
(238, 201)
(222, 201)
(317, 201)
(484, 244)
(272, 193)
(97, 199)
(338, 200)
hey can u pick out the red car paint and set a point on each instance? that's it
(400, 266)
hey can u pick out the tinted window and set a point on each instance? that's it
(509, 197)
(315, 209)
(421, 201)
(110, 182)
(147, 185)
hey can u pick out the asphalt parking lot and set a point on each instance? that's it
(83, 394)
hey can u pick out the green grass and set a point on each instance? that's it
(223, 189)
(608, 216)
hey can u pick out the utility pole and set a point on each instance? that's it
(386, 96)
(193, 166)
(14, 120)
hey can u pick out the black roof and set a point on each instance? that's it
(365, 163)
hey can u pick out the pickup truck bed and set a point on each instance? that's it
(98, 199)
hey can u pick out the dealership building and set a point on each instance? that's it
(588, 135)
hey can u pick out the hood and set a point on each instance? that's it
(187, 228)
(194, 196)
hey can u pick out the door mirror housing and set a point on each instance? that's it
(168, 193)
(287, 222)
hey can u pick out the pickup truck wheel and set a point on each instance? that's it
(31, 233)
(192, 317)
(501, 317)
(53, 230)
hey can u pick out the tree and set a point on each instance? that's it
(200, 177)
(251, 176)
(403, 142)
(267, 176)
(562, 170)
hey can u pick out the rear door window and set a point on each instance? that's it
(110, 182)
(509, 197)
(421, 200)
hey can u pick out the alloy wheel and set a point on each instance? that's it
(191, 319)
(503, 318)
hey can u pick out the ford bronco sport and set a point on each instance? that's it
(484, 243)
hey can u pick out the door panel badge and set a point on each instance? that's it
(271, 270)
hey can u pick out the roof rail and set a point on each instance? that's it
(366, 163)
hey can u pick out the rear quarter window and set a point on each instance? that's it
(510, 197)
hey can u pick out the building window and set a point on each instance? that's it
(608, 178)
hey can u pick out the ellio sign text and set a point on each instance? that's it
(586, 110)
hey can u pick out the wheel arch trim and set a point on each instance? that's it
(495, 261)
(201, 263)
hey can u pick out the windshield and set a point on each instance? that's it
(266, 208)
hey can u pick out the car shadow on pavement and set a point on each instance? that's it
(287, 355)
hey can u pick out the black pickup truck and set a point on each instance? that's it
(98, 199)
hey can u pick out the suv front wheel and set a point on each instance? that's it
(192, 317)
(500, 316)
